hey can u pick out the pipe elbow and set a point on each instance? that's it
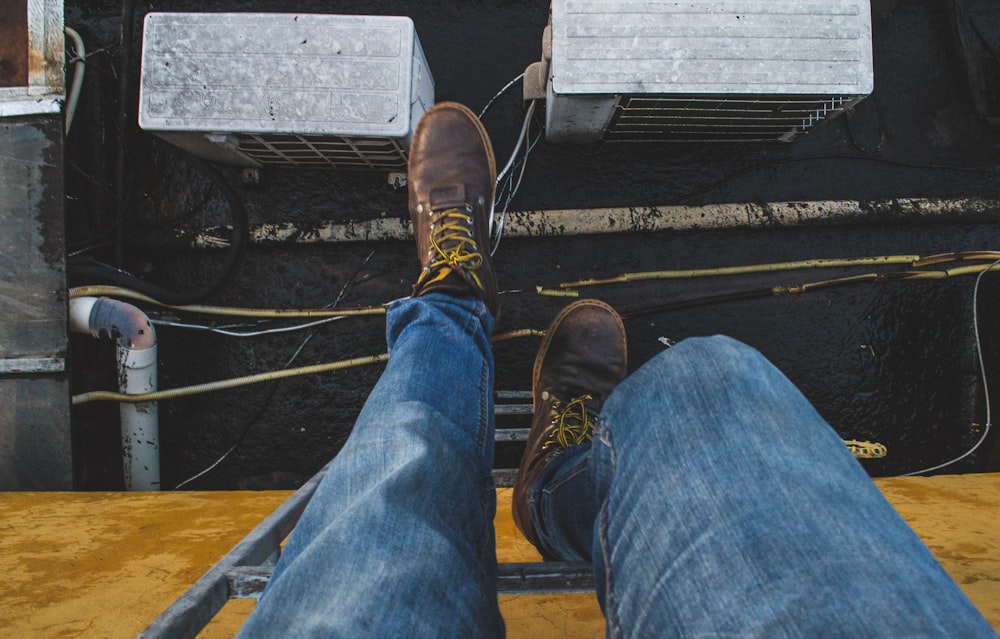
(106, 317)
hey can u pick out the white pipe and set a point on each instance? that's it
(78, 69)
(137, 373)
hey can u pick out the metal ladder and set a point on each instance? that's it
(245, 570)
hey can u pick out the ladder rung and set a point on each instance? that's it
(541, 577)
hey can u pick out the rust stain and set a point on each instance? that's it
(36, 62)
(13, 44)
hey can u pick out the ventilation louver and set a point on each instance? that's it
(297, 90)
(700, 70)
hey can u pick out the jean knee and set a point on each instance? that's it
(697, 362)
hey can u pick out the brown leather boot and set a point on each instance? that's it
(582, 358)
(452, 177)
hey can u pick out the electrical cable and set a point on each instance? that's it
(500, 93)
(520, 141)
(96, 242)
(226, 384)
(510, 195)
(499, 337)
(231, 333)
(88, 269)
(771, 267)
(230, 311)
(496, 229)
(979, 269)
(982, 370)
(914, 261)
(522, 136)
(79, 65)
(253, 420)
(239, 440)
(126, 28)
(797, 289)
(274, 385)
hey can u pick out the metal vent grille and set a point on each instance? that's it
(324, 151)
(285, 89)
(729, 118)
(702, 69)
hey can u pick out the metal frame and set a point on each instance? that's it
(244, 571)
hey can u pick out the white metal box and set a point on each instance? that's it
(284, 89)
(703, 70)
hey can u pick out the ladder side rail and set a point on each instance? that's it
(513, 578)
(187, 616)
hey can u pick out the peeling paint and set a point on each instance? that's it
(561, 222)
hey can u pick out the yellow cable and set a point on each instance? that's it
(232, 311)
(225, 384)
(524, 332)
(866, 450)
(550, 292)
(246, 380)
(957, 256)
(115, 291)
(772, 267)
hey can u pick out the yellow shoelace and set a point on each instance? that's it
(451, 238)
(572, 423)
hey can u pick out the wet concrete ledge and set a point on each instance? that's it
(106, 564)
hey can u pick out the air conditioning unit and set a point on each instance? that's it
(700, 70)
(297, 90)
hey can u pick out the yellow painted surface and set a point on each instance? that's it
(105, 565)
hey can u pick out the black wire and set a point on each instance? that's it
(737, 296)
(89, 271)
(264, 405)
(126, 29)
(695, 302)
(848, 118)
(273, 386)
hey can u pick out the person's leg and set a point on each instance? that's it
(398, 540)
(580, 361)
(728, 507)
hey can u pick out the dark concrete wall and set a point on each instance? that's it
(893, 362)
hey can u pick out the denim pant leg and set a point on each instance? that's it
(398, 540)
(729, 508)
(563, 506)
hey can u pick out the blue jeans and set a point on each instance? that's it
(714, 501)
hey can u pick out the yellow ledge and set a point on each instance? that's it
(106, 564)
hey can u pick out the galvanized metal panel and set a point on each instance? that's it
(284, 88)
(35, 444)
(712, 46)
(32, 259)
(35, 447)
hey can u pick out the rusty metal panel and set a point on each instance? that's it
(35, 443)
(32, 52)
(13, 44)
